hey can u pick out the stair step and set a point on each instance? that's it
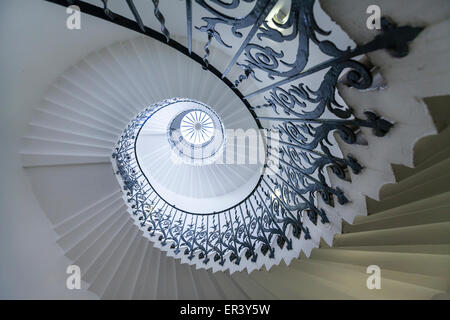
(415, 218)
(85, 80)
(167, 287)
(36, 145)
(128, 285)
(45, 160)
(112, 264)
(129, 63)
(61, 123)
(439, 249)
(150, 287)
(71, 112)
(427, 152)
(430, 173)
(109, 68)
(114, 58)
(207, 290)
(84, 249)
(78, 218)
(80, 232)
(411, 207)
(100, 260)
(186, 287)
(151, 281)
(287, 283)
(44, 132)
(103, 85)
(252, 288)
(418, 263)
(394, 285)
(142, 273)
(403, 172)
(72, 93)
(138, 47)
(77, 249)
(231, 289)
(433, 233)
(125, 269)
(430, 182)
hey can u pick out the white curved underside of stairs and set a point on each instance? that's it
(209, 185)
(85, 111)
(96, 231)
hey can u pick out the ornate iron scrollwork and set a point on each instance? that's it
(272, 217)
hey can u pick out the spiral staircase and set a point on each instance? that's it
(74, 118)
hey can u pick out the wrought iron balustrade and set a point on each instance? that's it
(273, 214)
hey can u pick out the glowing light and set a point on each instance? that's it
(280, 17)
(197, 127)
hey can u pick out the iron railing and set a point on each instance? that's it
(273, 214)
